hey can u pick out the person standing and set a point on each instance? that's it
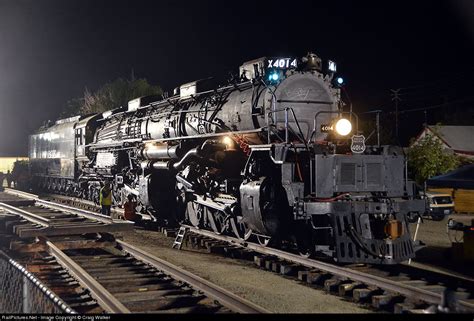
(9, 178)
(105, 198)
(2, 177)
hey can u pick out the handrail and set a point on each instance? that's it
(286, 110)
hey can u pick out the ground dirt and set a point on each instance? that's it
(284, 295)
(271, 291)
(437, 254)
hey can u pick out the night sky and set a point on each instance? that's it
(51, 50)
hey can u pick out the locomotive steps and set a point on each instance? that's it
(73, 256)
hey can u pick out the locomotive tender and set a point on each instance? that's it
(267, 157)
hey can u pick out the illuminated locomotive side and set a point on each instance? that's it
(268, 156)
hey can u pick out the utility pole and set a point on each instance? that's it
(377, 124)
(396, 98)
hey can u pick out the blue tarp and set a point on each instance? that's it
(462, 177)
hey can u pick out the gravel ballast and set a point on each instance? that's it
(269, 290)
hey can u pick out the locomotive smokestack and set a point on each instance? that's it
(313, 62)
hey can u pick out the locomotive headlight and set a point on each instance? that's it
(343, 127)
(228, 142)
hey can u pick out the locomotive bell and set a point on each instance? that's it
(313, 62)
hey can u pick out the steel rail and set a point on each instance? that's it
(105, 299)
(82, 201)
(369, 279)
(37, 219)
(20, 193)
(84, 213)
(61, 207)
(226, 298)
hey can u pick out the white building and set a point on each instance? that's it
(458, 139)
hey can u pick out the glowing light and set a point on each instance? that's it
(340, 80)
(343, 127)
(274, 76)
(228, 142)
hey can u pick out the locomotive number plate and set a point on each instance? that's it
(282, 63)
(325, 128)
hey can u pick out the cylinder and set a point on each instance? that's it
(155, 165)
(161, 165)
(165, 151)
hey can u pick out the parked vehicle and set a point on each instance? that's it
(438, 206)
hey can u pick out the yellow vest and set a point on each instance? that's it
(107, 200)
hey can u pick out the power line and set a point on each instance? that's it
(435, 106)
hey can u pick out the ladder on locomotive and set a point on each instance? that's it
(178, 242)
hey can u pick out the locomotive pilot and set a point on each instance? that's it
(105, 198)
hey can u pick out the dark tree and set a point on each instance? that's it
(110, 96)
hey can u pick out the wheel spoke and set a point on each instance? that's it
(263, 240)
(241, 231)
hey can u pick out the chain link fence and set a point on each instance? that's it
(22, 292)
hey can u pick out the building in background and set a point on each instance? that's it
(458, 139)
(6, 163)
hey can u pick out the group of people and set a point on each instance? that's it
(8, 176)
(129, 207)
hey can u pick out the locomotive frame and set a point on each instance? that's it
(246, 159)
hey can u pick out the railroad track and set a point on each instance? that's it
(73, 253)
(74, 202)
(399, 289)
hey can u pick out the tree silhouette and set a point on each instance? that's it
(110, 96)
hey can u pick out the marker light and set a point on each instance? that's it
(340, 80)
(274, 76)
(343, 127)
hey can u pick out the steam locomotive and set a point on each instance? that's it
(268, 156)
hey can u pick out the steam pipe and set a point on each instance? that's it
(192, 153)
(199, 152)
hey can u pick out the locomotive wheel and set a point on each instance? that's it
(304, 242)
(304, 250)
(194, 214)
(263, 240)
(216, 220)
(241, 231)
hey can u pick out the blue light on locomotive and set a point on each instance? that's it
(274, 76)
(340, 81)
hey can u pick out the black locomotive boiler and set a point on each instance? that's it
(271, 156)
